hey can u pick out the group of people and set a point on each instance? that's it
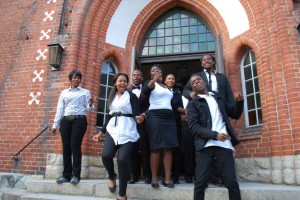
(152, 119)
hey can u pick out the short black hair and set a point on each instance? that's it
(75, 73)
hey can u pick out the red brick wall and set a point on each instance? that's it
(272, 36)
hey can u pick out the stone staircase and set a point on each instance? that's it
(46, 189)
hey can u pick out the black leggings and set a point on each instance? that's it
(108, 153)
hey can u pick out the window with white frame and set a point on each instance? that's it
(252, 106)
(108, 71)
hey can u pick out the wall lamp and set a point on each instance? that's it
(56, 52)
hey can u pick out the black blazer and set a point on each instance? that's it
(223, 87)
(135, 110)
(143, 100)
(176, 103)
(200, 122)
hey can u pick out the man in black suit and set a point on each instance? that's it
(214, 137)
(216, 82)
(142, 149)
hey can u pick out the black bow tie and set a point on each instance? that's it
(136, 87)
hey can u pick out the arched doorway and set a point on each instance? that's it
(177, 39)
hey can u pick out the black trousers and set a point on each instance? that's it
(123, 159)
(141, 154)
(189, 151)
(225, 165)
(72, 133)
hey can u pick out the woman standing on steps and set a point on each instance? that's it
(122, 134)
(161, 126)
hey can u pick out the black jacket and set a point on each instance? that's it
(200, 122)
(224, 88)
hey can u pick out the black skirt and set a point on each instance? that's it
(161, 128)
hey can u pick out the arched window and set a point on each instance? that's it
(177, 31)
(253, 115)
(108, 70)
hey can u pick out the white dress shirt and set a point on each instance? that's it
(214, 84)
(72, 102)
(160, 98)
(136, 91)
(125, 130)
(218, 123)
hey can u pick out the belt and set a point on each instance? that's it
(72, 117)
(118, 114)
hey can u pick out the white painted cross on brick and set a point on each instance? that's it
(37, 75)
(45, 34)
(34, 98)
(41, 54)
(49, 1)
(49, 15)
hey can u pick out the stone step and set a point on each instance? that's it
(97, 189)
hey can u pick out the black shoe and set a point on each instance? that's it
(155, 185)
(62, 180)
(169, 185)
(133, 181)
(74, 180)
(113, 189)
(188, 180)
(147, 180)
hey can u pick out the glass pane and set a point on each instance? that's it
(256, 85)
(250, 102)
(194, 38)
(146, 42)
(185, 30)
(177, 48)
(193, 21)
(194, 47)
(145, 51)
(185, 48)
(169, 49)
(184, 14)
(211, 46)
(160, 49)
(102, 91)
(110, 82)
(201, 29)
(108, 90)
(160, 41)
(152, 50)
(169, 32)
(202, 37)
(176, 16)
(111, 69)
(249, 87)
(161, 25)
(160, 32)
(101, 105)
(168, 24)
(193, 29)
(103, 79)
(185, 39)
(252, 118)
(184, 22)
(203, 46)
(176, 23)
(259, 115)
(247, 73)
(254, 70)
(258, 104)
(177, 39)
(152, 42)
(210, 37)
(247, 60)
(169, 40)
(152, 33)
(104, 68)
(176, 31)
(252, 56)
